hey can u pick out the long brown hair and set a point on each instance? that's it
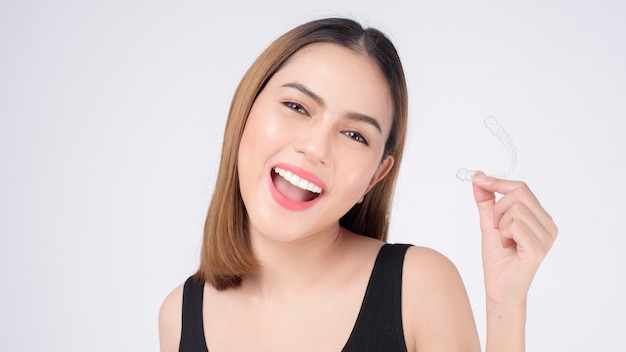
(226, 255)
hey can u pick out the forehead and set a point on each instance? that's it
(345, 79)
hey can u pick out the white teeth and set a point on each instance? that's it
(297, 180)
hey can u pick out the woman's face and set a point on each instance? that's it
(313, 142)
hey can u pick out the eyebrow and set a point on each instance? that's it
(351, 115)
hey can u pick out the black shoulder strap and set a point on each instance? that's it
(379, 325)
(192, 332)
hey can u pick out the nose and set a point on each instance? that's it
(314, 143)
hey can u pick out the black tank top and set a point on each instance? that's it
(378, 326)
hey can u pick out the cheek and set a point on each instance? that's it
(261, 127)
(358, 174)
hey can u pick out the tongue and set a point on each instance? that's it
(291, 192)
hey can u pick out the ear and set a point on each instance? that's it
(383, 169)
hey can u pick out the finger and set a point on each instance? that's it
(494, 184)
(528, 245)
(485, 202)
(516, 191)
(506, 239)
(530, 212)
(518, 212)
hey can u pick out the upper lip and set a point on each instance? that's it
(302, 173)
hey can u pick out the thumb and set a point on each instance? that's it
(485, 202)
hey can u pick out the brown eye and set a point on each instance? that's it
(356, 136)
(296, 107)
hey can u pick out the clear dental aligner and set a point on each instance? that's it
(497, 130)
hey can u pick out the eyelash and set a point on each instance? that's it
(296, 107)
(356, 136)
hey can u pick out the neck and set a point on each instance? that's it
(292, 267)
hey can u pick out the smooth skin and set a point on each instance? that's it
(307, 294)
(517, 233)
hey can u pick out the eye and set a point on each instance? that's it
(296, 107)
(356, 136)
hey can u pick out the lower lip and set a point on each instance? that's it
(288, 203)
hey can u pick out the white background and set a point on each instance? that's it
(111, 120)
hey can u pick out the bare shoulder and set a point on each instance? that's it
(170, 320)
(424, 263)
(429, 276)
(435, 308)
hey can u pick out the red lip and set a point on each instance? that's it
(288, 203)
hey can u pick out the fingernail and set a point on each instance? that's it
(479, 176)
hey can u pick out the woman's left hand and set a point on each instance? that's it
(517, 233)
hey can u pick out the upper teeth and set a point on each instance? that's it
(297, 180)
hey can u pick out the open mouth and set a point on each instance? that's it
(294, 187)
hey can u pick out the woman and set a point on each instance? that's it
(294, 258)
